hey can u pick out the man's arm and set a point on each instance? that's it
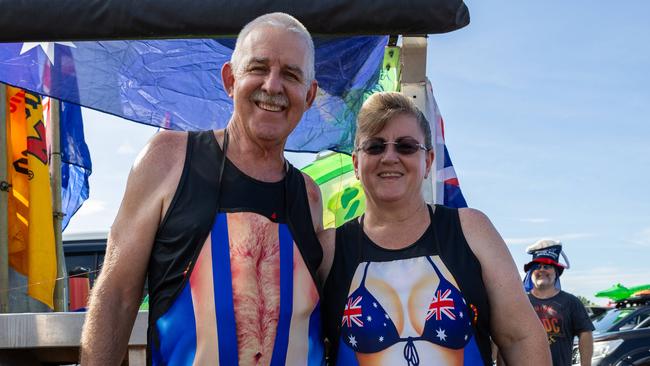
(586, 347)
(117, 293)
(515, 327)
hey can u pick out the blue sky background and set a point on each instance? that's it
(546, 107)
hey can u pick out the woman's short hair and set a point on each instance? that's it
(382, 107)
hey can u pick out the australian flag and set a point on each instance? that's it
(48, 68)
(447, 185)
(451, 187)
(176, 84)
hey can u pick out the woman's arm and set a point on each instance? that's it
(515, 327)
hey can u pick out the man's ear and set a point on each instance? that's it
(311, 93)
(228, 78)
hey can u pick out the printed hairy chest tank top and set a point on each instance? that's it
(233, 268)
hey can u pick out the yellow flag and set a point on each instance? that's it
(32, 250)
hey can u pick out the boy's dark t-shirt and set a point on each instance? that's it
(563, 317)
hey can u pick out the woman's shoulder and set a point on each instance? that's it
(472, 218)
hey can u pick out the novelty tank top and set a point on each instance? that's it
(198, 280)
(426, 298)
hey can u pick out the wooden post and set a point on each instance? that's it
(4, 197)
(61, 289)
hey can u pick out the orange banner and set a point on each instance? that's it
(32, 250)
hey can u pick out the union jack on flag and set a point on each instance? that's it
(441, 304)
(352, 313)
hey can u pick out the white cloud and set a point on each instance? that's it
(91, 207)
(534, 220)
(126, 149)
(641, 238)
(560, 237)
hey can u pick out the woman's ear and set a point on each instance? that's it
(428, 162)
(355, 164)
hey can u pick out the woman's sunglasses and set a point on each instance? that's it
(403, 146)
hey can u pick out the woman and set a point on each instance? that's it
(414, 284)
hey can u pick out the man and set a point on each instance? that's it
(562, 314)
(223, 227)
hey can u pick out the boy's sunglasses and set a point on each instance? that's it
(403, 146)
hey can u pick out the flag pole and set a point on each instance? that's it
(4, 198)
(61, 288)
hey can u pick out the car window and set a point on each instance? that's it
(605, 321)
(644, 324)
(633, 321)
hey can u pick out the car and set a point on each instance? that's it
(595, 311)
(622, 335)
(621, 318)
(84, 254)
(84, 257)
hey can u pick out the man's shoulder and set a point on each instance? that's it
(163, 154)
(163, 145)
(568, 296)
(570, 301)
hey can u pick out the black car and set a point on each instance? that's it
(621, 318)
(622, 335)
(622, 348)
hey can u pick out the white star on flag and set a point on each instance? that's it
(353, 341)
(440, 333)
(369, 318)
(47, 47)
(381, 339)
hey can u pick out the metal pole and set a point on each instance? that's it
(4, 197)
(61, 289)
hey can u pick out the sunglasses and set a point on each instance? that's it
(403, 146)
(546, 267)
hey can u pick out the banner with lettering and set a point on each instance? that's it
(31, 232)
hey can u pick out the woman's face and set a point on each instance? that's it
(392, 176)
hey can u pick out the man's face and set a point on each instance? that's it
(544, 276)
(269, 89)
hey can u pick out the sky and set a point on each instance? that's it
(546, 109)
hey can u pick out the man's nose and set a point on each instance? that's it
(273, 83)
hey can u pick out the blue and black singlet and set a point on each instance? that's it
(191, 307)
(456, 318)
